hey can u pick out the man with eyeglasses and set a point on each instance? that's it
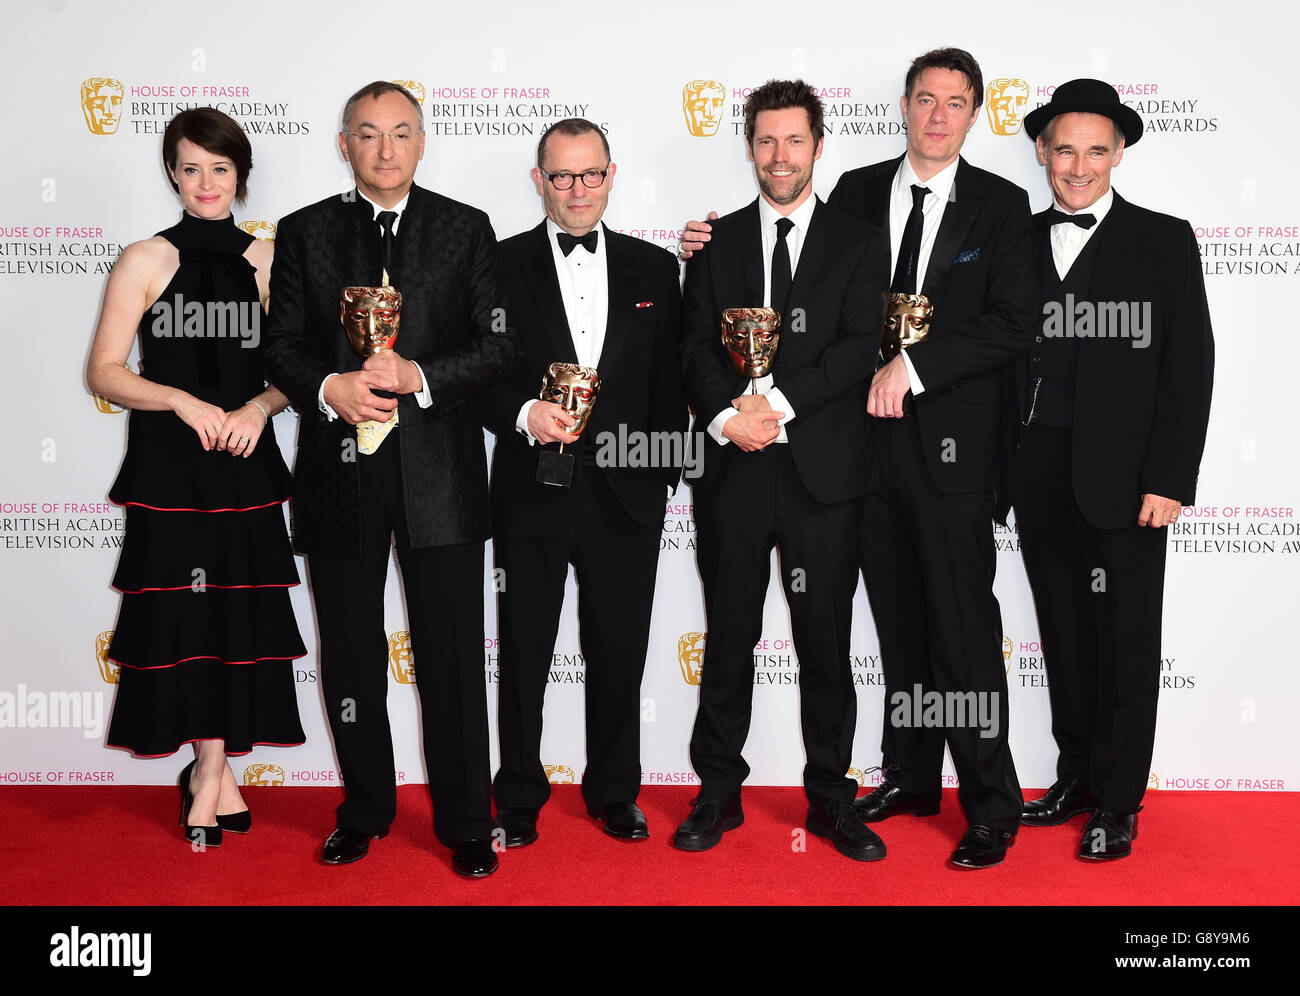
(584, 295)
(389, 448)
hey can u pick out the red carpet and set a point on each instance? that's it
(120, 846)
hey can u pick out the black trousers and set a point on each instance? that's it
(444, 604)
(928, 561)
(762, 504)
(615, 560)
(1099, 595)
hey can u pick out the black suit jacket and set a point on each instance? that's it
(828, 345)
(1140, 413)
(981, 281)
(641, 389)
(453, 325)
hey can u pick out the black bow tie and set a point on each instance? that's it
(1055, 217)
(567, 241)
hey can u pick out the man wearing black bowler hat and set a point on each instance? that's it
(1113, 421)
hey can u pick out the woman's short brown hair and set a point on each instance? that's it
(213, 132)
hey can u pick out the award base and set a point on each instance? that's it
(555, 469)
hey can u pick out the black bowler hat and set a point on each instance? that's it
(1089, 97)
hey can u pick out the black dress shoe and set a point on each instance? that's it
(982, 847)
(200, 836)
(840, 822)
(1066, 798)
(474, 858)
(519, 824)
(623, 820)
(1108, 835)
(887, 799)
(343, 847)
(709, 818)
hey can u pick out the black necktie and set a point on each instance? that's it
(568, 242)
(386, 219)
(781, 268)
(909, 250)
(1055, 217)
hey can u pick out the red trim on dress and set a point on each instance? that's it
(158, 508)
(235, 753)
(204, 657)
(224, 587)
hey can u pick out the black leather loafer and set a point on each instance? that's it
(474, 858)
(1066, 798)
(519, 825)
(1108, 835)
(887, 799)
(343, 847)
(840, 823)
(623, 820)
(982, 847)
(709, 818)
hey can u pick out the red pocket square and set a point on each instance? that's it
(645, 304)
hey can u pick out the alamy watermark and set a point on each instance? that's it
(181, 319)
(35, 709)
(946, 710)
(637, 450)
(1076, 319)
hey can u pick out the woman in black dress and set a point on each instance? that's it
(205, 633)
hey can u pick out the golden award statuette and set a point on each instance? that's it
(574, 388)
(371, 317)
(907, 321)
(751, 336)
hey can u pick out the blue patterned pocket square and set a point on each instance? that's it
(967, 256)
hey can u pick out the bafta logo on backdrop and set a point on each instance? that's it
(1006, 99)
(414, 87)
(703, 102)
(858, 775)
(559, 774)
(264, 231)
(1006, 654)
(101, 104)
(108, 670)
(399, 657)
(1153, 781)
(690, 656)
(263, 773)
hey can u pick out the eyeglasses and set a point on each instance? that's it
(399, 138)
(564, 181)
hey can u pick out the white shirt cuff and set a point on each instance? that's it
(912, 378)
(521, 422)
(719, 420)
(330, 413)
(422, 397)
(780, 403)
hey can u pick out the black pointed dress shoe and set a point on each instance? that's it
(887, 799)
(235, 822)
(840, 823)
(199, 837)
(343, 847)
(623, 820)
(982, 847)
(1108, 835)
(519, 824)
(1066, 798)
(474, 858)
(709, 818)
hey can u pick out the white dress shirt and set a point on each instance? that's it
(801, 218)
(932, 208)
(1068, 240)
(584, 289)
(422, 397)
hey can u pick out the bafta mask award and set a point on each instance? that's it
(907, 321)
(371, 317)
(751, 336)
(574, 388)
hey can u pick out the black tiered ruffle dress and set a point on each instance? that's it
(206, 634)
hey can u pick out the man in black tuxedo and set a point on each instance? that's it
(409, 464)
(584, 295)
(783, 467)
(1113, 422)
(959, 236)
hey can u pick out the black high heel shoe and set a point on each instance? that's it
(236, 822)
(203, 836)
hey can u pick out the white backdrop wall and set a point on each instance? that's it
(492, 77)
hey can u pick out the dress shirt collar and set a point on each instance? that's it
(801, 216)
(940, 185)
(1098, 208)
